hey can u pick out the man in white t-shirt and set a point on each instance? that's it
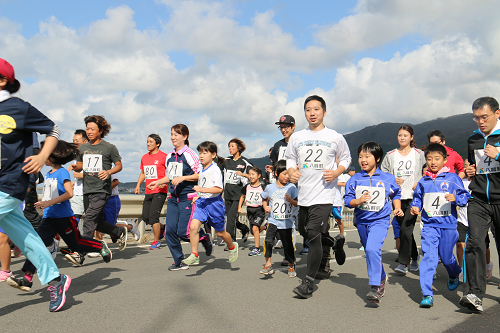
(311, 162)
(76, 201)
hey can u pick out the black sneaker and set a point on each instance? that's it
(472, 302)
(305, 289)
(20, 283)
(338, 249)
(284, 262)
(105, 253)
(323, 274)
(244, 237)
(207, 244)
(76, 258)
(374, 294)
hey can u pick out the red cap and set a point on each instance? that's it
(7, 71)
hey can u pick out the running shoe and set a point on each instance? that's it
(106, 253)
(76, 258)
(226, 248)
(254, 252)
(58, 293)
(267, 270)
(374, 295)
(15, 252)
(135, 231)
(65, 250)
(53, 248)
(233, 254)
(453, 283)
(207, 244)
(5, 275)
(179, 267)
(382, 286)
(362, 248)
(427, 302)
(489, 270)
(156, 245)
(402, 269)
(291, 271)
(338, 248)
(93, 254)
(192, 260)
(414, 265)
(122, 241)
(305, 250)
(323, 273)
(305, 289)
(20, 283)
(244, 237)
(472, 302)
(279, 244)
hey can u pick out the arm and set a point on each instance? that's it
(115, 183)
(190, 178)
(396, 197)
(386, 164)
(141, 179)
(35, 163)
(416, 204)
(214, 189)
(461, 194)
(265, 205)
(77, 175)
(63, 197)
(294, 202)
(103, 174)
(240, 204)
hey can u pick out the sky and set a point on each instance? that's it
(232, 68)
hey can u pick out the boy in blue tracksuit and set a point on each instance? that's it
(438, 193)
(370, 192)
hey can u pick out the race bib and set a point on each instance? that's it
(377, 200)
(485, 164)
(253, 198)
(92, 163)
(281, 153)
(435, 204)
(232, 177)
(272, 180)
(150, 172)
(174, 170)
(281, 209)
(50, 189)
(205, 181)
(312, 157)
(404, 168)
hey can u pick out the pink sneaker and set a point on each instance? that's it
(15, 252)
(5, 275)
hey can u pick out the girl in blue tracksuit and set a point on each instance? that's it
(438, 193)
(370, 192)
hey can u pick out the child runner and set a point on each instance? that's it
(209, 206)
(58, 218)
(251, 194)
(5, 256)
(153, 167)
(438, 193)
(370, 192)
(281, 196)
(18, 122)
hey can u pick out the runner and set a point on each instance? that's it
(19, 120)
(311, 161)
(455, 161)
(96, 159)
(76, 201)
(405, 163)
(484, 204)
(153, 167)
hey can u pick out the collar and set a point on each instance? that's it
(365, 174)
(180, 152)
(4, 94)
(208, 167)
(433, 175)
(497, 128)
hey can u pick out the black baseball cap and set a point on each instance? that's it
(286, 119)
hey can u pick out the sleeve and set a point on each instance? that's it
(386, 164)
(350, 192)
(115, 156)
(459, 162)
(64, 175)
(244, 190)
(274, 154)
(344, 153)
(418, 195)
(217, 178)
(470, 153)
(265, 193)
(142, 164)
(193, 160)
(395, 189)
(36, 121)
(79, 158)
(291, 154)
(461, 194)
(295, 193)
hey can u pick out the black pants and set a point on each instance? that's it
(151, 207)
(407, 242)
(286, 238)
(480, 215)
(94, 204)
(67, 228)
(232, 219)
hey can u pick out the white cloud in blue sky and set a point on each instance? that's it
(231, 68)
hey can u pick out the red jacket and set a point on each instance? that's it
(455, 161)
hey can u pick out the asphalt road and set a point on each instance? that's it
(136, 293)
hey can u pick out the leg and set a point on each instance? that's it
(157, 202)
(289, 249)
(429, 242)
(446, 244)
(271, 232)
(4, 252)
(256, 236)
(195, 238)
(226, 237)
(171, 226)
(414, 249)
(377, 232)
(407, 223)
(232, 215)
(94, 208)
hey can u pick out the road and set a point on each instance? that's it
(136, 293)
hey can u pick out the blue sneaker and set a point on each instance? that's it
(156, 245)
(58, 293)
(304, 250)
(207, 244)
(453, 283)
(256, 252)
(179, 267)
(427, 302)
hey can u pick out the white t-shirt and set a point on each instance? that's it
(337, 201)
(313, 152)
(78, 188)
(114, 190)
(210, 177)
(404, 167)
(462, 211)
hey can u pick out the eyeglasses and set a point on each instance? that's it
(283, 127)
(482, 118)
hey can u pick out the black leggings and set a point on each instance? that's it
(407, 247)
(286, 238)
(232, 219)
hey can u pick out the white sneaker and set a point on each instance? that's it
(53, 248)
(279, 244)
(94, 254)
(489, 270)
(135, 231)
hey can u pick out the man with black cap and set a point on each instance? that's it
(286, 125)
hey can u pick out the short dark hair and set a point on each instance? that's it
(279, 167)
(63, 153)
(435, 147)
(211, 147)
(481, 102)
(315, 98)
(156, 138)
(182, 130)
(435, 132)
(83, 133)
(373, 148)
(256, 169)
(101, 122)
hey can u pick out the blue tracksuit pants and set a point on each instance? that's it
(437, 243)
(372, 237)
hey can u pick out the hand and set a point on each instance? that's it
(414, 186)
(153, 185)
(470, 170)
(450, 197)
(137, 190)
(33, 164)
(72, 167)
(365, 197)
(103, 174)
(399, 212)
(177, 180)
(268, 168)
(295, 176)
(195, 198)
(42, 204)
(197, 188)
(239, 173)
(491, 151)
(162, 185)
(239, 210)
(288, 198)
(328, 175)
(400, 181)
(414, 210)
(267, 209)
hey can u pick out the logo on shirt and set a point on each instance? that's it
(381, 184)
(156, 162)
(445, 186)
(7, 124)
